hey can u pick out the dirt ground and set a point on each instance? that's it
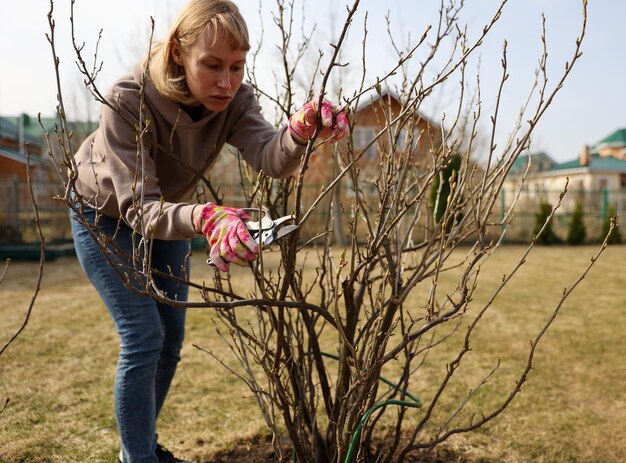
(260, 450)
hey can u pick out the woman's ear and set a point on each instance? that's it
(176, 52)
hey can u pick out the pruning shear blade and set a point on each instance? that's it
(269, 236)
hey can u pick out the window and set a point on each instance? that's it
(403, 139)
(361, 137)
(367, 188)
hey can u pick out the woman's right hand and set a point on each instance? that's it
(226, 233)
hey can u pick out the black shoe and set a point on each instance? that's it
(165, 456)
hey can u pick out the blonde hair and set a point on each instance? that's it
(192, 21)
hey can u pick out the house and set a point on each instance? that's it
(596, 178)
(614, 145)
(18, 145)
(24, 135)
(599, 167)
(24, 156)
(413, 132)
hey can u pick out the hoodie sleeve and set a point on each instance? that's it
(261, 145)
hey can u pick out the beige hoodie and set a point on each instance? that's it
(110, 168)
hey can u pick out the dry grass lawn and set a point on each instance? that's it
(59, 372)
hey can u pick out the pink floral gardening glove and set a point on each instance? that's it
(227, 235)
(303, 122)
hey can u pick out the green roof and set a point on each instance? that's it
(596, 163)
(33, 132)
(616, 138)
(33, 128)
(540, 162)
(21, 157)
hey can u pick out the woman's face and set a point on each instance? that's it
(214, 71)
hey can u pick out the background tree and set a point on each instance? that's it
(543, 232)
(441, 188)
(576, 231)
(609, 222)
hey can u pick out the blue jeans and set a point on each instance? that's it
(151, 334)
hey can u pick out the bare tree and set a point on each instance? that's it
(314, 335)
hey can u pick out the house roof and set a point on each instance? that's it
(596, 163)
(10, 129)
(617, 138)
(21, 157)
(34, 134)
(367, 101)
(32, 126)
(540, 161)
(544, 165)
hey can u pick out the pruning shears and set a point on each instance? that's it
(267, 230)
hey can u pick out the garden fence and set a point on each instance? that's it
(17, 223)
(596, 206)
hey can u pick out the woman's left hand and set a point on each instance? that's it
(303, 122)
(226, 233)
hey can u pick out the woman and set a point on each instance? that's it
(193, 102)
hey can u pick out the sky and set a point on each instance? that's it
(590, 106)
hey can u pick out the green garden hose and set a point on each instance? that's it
(416, 403)
(357, 432)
